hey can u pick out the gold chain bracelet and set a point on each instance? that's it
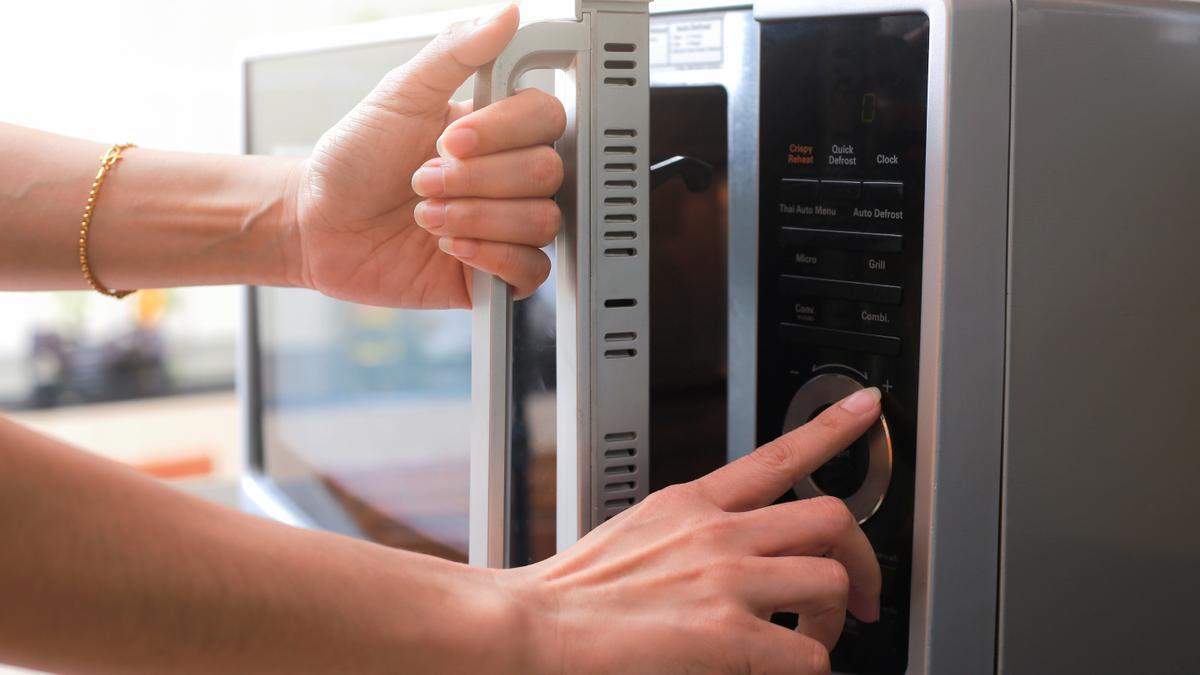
(107, 162)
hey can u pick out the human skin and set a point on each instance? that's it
(362, 219)
(107, 571)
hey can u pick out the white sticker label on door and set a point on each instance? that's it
(687, 43)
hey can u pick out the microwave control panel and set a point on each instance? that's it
(842, 170)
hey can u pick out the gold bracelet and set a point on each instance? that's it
(107, 162)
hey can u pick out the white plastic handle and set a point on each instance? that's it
(547, 45)
(603, 288)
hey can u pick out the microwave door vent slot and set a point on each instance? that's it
(620, 272)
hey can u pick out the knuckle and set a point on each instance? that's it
(724, 614)
(680, 499)
(406, 90)
(814, 659)
(543, 269)
(834, 577)
(835, 511)
(551, 221)
(506, 263)
(558, 115)
(776, 456)
(546, 169)
(549, 109)
(664, 498)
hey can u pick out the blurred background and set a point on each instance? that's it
(148, 380)
(363, 412)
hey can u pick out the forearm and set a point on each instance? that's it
(107, 571)
(162, 218)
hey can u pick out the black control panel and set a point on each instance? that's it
(842, 166)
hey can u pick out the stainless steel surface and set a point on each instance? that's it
(956, 526)
(821, 392)
(1100, 538)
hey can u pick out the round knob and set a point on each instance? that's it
(861, 473)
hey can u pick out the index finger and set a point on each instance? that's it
(759, 478)
(531, 117)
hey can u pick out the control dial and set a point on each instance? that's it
(861, 473)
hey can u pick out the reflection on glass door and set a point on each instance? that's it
(363, 412)
(365, 416)
(531, 508)
(689, 234)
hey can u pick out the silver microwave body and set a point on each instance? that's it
(1054, 453)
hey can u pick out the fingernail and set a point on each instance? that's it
(457, 142)
(459, 248)
(430, 215)
(862, 401)
(429, 180)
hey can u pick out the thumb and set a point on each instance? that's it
(428, 80)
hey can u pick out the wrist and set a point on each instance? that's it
(448, 617)
(536, 640)
(527, 631)
(281, 262)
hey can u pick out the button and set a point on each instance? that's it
(844, 473)
(841, 339)
(842, 290)
(798, 190)
(819, 393)
(802, 310)
(806, 261)
(858, 316)
(853, 316)
(859, 241)
(841, 190)
(822, 261)
(876, 266)
(882, 191)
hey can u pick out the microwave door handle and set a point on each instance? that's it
(600, 400)
(536, 46)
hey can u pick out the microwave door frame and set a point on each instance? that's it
(737, 73)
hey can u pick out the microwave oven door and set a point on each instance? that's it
(580, 351)
(619, 381)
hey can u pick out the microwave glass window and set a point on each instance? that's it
(365, 416)
(531, 497)
(364, 412)
(688, 251)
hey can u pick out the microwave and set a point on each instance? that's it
(987, 209)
